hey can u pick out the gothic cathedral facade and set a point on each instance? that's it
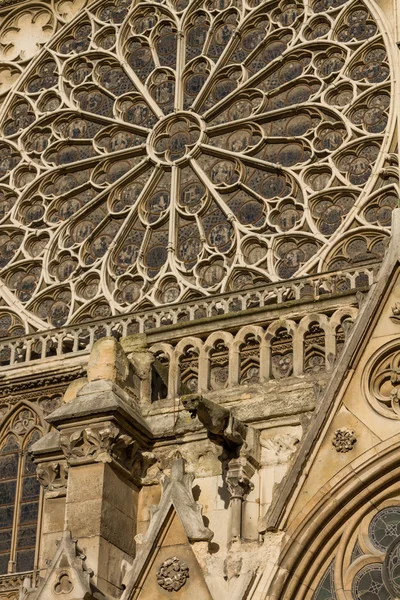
(199, 300)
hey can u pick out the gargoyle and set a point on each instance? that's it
(222, 427)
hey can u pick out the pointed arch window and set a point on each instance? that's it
(19, 493)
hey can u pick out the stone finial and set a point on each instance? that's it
(177, 489)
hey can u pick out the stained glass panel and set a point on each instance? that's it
(368, 584)
(326, 589)
(24, 560)
(9, 460)
(385, 527)
(22, 500)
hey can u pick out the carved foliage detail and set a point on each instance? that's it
(103, 443)
(53, 476)
(280, 448)
(240, 472)
(172, 574)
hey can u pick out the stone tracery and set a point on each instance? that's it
(370, 571)
(196, 148)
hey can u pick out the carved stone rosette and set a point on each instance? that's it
(172, 574)
(344, 439)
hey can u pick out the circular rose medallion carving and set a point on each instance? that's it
(175, 138)
(172, 574)
(381, 381)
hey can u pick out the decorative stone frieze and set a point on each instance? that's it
(10, 586)
(344, 439)
(172, 574)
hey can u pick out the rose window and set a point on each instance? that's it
(154, 152)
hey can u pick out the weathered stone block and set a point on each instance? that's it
(53, 515)
(108, 361)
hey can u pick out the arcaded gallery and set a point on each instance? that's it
(199, 300)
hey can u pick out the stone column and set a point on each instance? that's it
(104, 443)
(101, 501)
(240, 472)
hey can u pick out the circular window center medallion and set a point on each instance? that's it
(176, 138)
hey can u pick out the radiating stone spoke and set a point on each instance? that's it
(152, 146)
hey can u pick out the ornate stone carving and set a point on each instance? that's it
(396, 313)
(24, 421)
(12, 596)
(10, 586)
(381, 380)
(177, 495)
(18, 45)
(66, 572)
(344, 439)
(240, 471)
(63, 585)
(101, 443)
(280, 447)
(53, 476)
(221, 425)
(172, 574)
(159, 101)
(241, 443)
